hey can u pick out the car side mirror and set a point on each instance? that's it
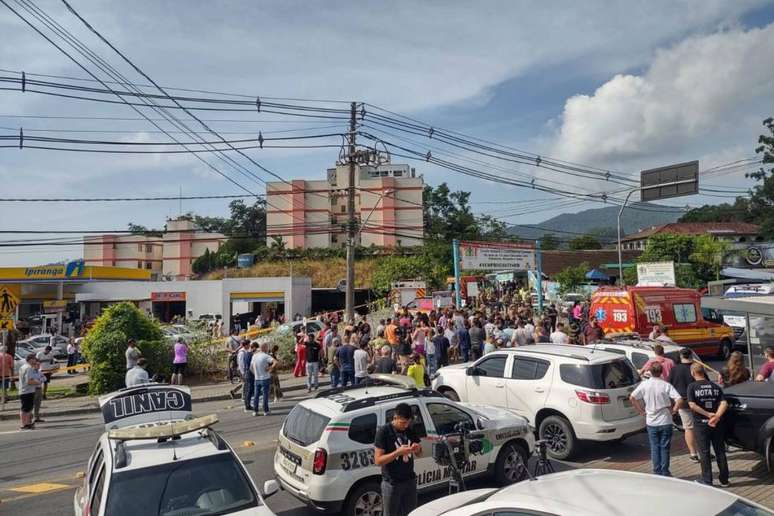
(471, 371)
(270, 488)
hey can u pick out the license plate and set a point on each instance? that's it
(288, 464)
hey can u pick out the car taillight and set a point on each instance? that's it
(320, 461)
(595, 398)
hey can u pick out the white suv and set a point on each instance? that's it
(325, 455)
(640, 351)
(567, 393)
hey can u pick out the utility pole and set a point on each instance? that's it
(351, 223)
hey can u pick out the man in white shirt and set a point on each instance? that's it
(47, 366)
(261, 365)
(520, 336)
(361, 363)
(530, 329)
(137, 375)
(658, 401)
(558, 336)
(28, 382)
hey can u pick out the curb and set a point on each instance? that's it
(95, 408)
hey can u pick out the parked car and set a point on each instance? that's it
(294, 327)
(750, 418)
(325, 455)
(183, 467)
(39, 342)
(639, 351)
(567, 393)
(638, 309)
(594, 492)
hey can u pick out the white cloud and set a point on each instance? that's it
(405, 55)
(705, 91)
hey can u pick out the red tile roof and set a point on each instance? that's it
(697, 228)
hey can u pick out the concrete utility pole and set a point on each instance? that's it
(351, 222)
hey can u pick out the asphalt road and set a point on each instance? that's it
(58, 450)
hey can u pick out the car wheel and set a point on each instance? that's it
(725, 349)
(449, 393)
(365, 500)
(559, 437)
(511, 465)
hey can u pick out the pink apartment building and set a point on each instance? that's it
(171, 254)
(388, 205)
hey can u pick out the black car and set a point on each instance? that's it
(750, 418)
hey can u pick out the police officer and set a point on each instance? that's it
(396, 444)
(708, 405)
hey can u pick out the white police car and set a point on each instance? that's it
(325, 455)
(156, 459)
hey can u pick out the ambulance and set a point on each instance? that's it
(678, 310)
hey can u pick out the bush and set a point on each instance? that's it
(286, 355)
(105, 346)
(206, 356)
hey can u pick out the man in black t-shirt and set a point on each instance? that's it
(708, 404)
(680, 378)
(394, 449)
(441, 348)
(312, 362)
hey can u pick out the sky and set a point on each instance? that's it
(619, 86)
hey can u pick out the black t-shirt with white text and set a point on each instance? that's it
(706, 394)
(388, 439)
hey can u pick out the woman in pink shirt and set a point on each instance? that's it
(180, 361)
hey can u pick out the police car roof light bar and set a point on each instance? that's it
(167, 430)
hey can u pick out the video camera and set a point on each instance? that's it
(454, 449)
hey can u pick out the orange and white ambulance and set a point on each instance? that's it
(678, 310)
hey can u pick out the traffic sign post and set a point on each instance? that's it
(660, 183)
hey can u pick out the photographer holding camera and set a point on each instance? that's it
(395, 447)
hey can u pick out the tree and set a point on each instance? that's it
(549, 242)
(759, 208)
(762, 197)
(585, 242)
(396, 268)
(105, 346)
(448, 215)
(572, 277)
(697, 259)
(137, 229)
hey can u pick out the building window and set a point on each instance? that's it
(148, 248)
(397, 173)
(148, 265)
(139, 248)
(334, 239)
(114, 245)
(343, 208)
(139, 264)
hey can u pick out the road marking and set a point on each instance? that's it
(42, 487)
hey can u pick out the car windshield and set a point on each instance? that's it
(743, 508)
(303, 426)
(207, 486)
(609, 375)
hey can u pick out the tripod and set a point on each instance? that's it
(542, 465)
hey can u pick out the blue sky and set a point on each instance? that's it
(618, 85)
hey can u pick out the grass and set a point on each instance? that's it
(325, 273)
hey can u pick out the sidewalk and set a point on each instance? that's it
(86, 404)
(749, 476)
